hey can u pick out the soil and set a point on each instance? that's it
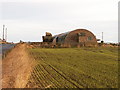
(16, 68)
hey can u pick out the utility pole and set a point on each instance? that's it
(102, 36)
(3, 31)
(6, 34)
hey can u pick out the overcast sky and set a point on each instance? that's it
(28, 20)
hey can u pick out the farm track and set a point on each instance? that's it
(16, 67)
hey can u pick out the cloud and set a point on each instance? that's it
(30, 19)
(74, 10)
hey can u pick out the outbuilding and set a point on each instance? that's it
(81, 37)
(78, 37)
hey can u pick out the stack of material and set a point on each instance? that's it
(48, 34)
(48, 37)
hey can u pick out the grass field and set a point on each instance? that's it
(74, 68)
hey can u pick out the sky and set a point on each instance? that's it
(28, 20)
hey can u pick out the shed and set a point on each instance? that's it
(76, 37)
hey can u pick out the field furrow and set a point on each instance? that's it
(74, 68)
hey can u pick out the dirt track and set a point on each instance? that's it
(16, 68)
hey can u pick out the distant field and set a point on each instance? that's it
(4, 48)
(74, 67)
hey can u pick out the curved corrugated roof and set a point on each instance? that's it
(62, 34)
(61, 37)
(73, 38)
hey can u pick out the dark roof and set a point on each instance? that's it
(61, 37)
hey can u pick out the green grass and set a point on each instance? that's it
(75, 67)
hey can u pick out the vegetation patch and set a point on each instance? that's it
(74, 68)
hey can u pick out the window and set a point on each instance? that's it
(89, 38)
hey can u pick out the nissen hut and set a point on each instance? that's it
(79, 37)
